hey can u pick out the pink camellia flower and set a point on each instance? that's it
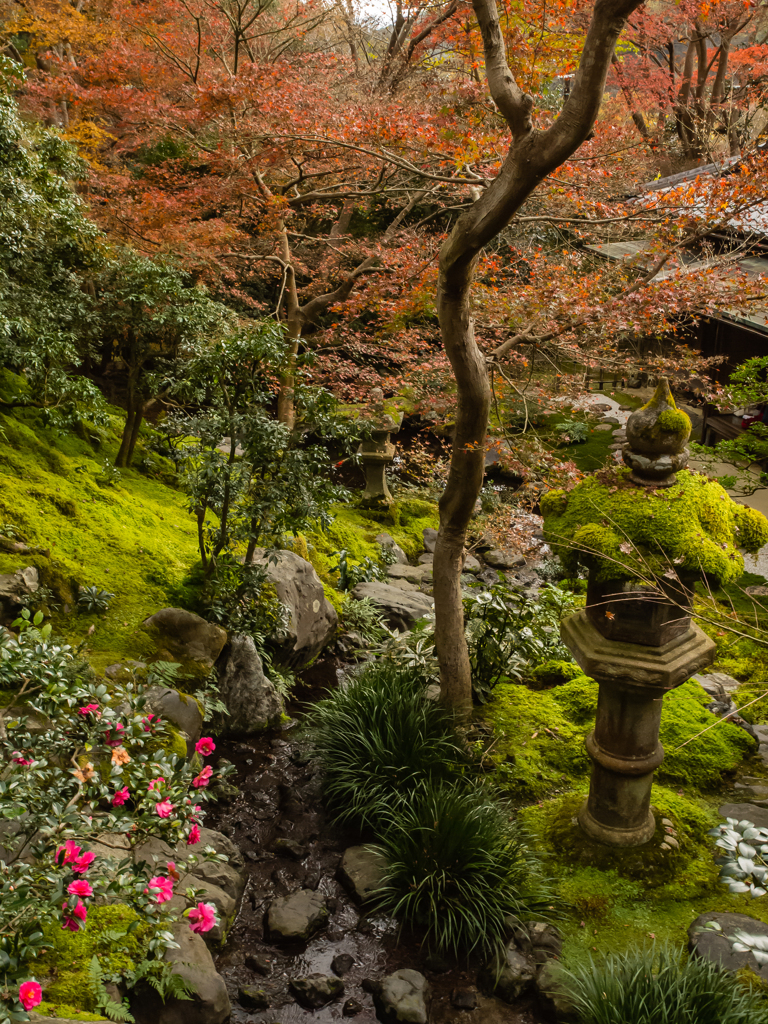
(155, 783)
(80, 888)
(81, 864)
(117, 739)
(30, 994)
(71, 852)
(203, 777)
(120, 797)
(89, 709)
(202, 918)
(74, 918)
(147, 722)
(194, 836)
(18, 759)
(165, 887)
(164, 808)
(205, 746)
(173, 871)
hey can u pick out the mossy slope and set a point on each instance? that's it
(134, 538)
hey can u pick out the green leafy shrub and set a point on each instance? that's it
(364, 618)
(457, 867)
(377, 738)
(94, 600)
(657, 986)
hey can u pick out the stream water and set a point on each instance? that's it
(280, 799)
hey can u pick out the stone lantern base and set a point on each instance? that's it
(624, 747)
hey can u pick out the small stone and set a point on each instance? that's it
(289, 848)
(362, 870)
(403, 996)
(430, 539)
(432, 692)
(297, 916)
(671, 841)
(351, 1008)
(603, 426)
(342, 964)
(315, 990)
(665, 846)
(504, 559)
(252, 998)
(667, 822)
(464, 998)
(259, 964)
(427, 558)
(510, 978)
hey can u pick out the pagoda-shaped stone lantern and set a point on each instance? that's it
(645, 533)
(378, 452)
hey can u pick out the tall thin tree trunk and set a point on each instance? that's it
(532, 156)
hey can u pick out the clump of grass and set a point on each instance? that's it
(656, 986)
(377, 739)
(457, 868)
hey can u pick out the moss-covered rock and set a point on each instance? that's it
(607, 523)
(553, 673)
(67, 963)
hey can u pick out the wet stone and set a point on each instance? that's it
(342, 964)
(259, 964)
(464, 998)
(289, 848)
(362, 871)
(352, 1007)
(252, 998)
(297, 916)
(403, 997)
(315, 990)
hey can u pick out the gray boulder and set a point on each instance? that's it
(312, 617)
(16, 588)
(315, 990)
(186, 637)
(713, 943)
(386, 541)
(717, 684)
(426, 558)
(297, 916)
(471, 565)
(362, 870)
(252, 998)
(400, 608)
(554, 996)
(500, 559)
(178, 709)
(251, 698)
(430, 539)
(411, 573)
(403, 996)
(193, 962)
(749, 812)
(509, 977)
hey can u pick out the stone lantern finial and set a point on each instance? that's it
(656, 439)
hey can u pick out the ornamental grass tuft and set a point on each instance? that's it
(377, 739)
(457, 868)
(657, 986)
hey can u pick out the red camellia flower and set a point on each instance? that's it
(120, 797)
(164, 808)
(80, 888)
(194, 836)
(164, 886)
(74, 918)
(203, 777)
(205, 746)
(71, 852)
(202, 918)
(89, 709)
(81, 864)
(30, 994)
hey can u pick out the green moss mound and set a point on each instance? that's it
(67, 963)
(553, 673)
(539, 738)
(135, 539)
(620, 530)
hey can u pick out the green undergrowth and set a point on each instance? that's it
(134, 538)
(539, 738)
(619, 899)
(67, 963)
(354, 529)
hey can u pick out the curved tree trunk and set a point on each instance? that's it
(532, 156)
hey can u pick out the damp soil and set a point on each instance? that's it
(280, 798)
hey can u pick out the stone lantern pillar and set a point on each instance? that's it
(638, 643)
(378, 452)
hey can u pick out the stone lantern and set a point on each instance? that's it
(646, 536)
(378, 452)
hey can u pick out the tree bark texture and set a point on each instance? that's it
(532, 156)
